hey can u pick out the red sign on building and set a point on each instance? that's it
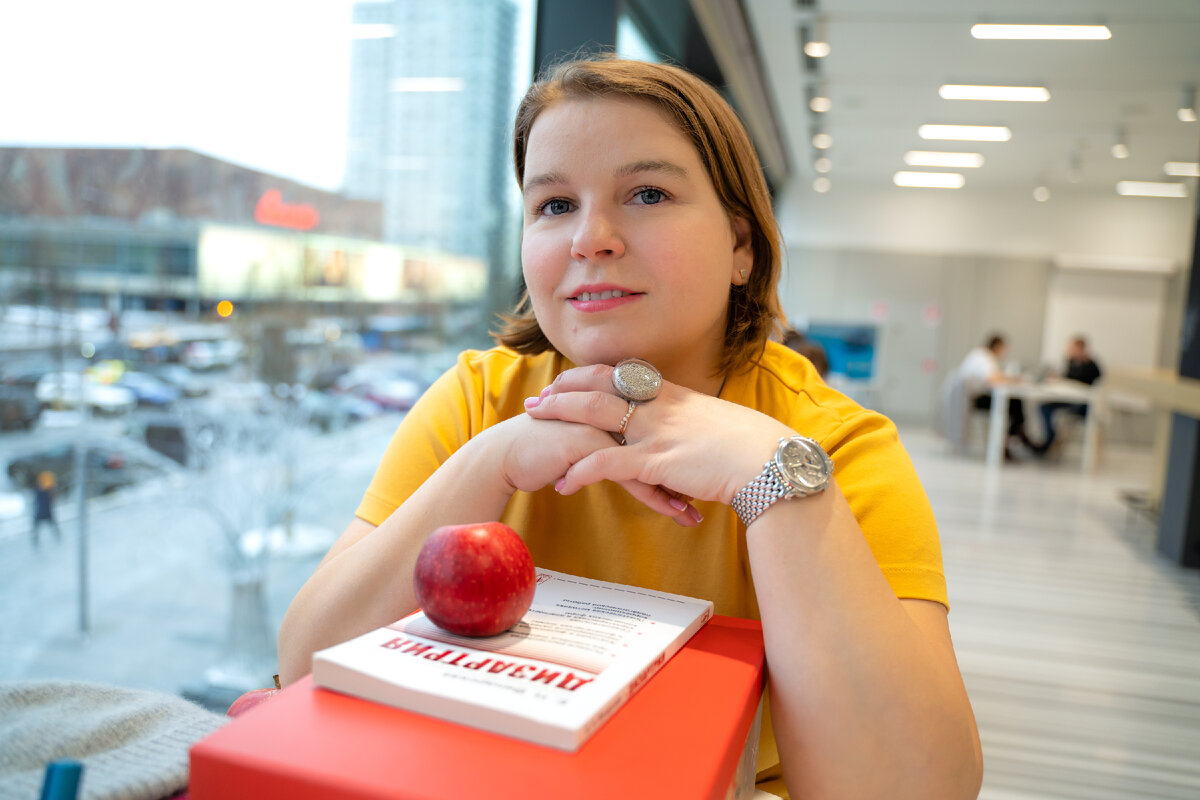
(271, 210)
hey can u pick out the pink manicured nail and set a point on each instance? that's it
(677, 504)
(558, 487)
(532, 402)
(545, 392)
(695, 514)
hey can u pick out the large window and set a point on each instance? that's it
(232, 254)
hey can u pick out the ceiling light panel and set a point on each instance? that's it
(929, 180)
(966, 133)
(932, 158)
(1182, 169)
(1012, 94)
(1070, 32)
(1151, 189)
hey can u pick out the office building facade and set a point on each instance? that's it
(430, 107)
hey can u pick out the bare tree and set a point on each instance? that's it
(248, 481)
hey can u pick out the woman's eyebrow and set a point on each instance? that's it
(545, 179)
(650, 165)
(624, 171)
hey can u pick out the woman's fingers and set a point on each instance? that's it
(599, 409)
(595, 378)
(656, 498)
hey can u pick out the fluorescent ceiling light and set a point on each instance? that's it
(1182, 169)
(822, 184)
(820, 104)
(929, 158)
(1016, 94)
(822, 141)
(929, 180)
(988, 31)
(823, 164)
(1151, 189)
(431, 84)
(816, 49)
(1186, 115)
(966, 133)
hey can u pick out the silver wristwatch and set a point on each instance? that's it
(800, 468)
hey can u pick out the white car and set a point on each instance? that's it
(65, 389)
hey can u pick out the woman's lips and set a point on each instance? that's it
(593, 301)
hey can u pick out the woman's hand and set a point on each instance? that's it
(681, 445)
(537, 453)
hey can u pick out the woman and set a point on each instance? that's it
(648, 233)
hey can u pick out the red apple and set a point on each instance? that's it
(474, 580)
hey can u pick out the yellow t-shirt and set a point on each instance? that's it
(602, 532)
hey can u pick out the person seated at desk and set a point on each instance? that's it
(981, 371)
(1080, 367)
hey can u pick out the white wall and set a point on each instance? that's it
(936, 279)
(930, 309)
(1120, 314)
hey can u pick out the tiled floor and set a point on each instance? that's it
(1079, 645)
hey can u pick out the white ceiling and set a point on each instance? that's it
(890, 56)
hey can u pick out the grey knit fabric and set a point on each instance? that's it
(133, 744)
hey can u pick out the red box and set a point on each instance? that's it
(681, 735)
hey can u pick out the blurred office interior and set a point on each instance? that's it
(305, 233)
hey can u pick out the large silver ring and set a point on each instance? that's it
(636, 380)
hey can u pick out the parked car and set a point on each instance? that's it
(186, 440)
(149, 390)
(67, 389)
(19, 406)
(180, 377)
(109, 467)
(389, 391)
(327, 411)
(217, 354)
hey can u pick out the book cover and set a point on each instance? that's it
(583, 648)
(688, 732)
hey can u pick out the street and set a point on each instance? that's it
(158, 573)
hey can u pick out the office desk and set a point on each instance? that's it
(1063, 391)
(1169, 393)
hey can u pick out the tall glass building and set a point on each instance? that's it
(430, 107)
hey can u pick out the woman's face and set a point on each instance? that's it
(627, 251)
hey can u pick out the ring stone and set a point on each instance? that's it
(636, 380)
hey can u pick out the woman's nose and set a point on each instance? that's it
(597, 236)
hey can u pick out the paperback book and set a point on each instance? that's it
(583, 648)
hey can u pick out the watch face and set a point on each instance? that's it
(804, 464)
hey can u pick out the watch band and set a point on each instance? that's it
(800, 468)
(759, 494)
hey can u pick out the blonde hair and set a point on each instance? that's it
(728, 156)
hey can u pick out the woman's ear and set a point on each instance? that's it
(743, 251)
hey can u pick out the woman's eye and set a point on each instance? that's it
(650, 196)
(554, 207)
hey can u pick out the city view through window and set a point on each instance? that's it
(236, 245)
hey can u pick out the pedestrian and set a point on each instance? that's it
(43, 505)
(621, 426)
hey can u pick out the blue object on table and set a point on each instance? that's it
(62, 780)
